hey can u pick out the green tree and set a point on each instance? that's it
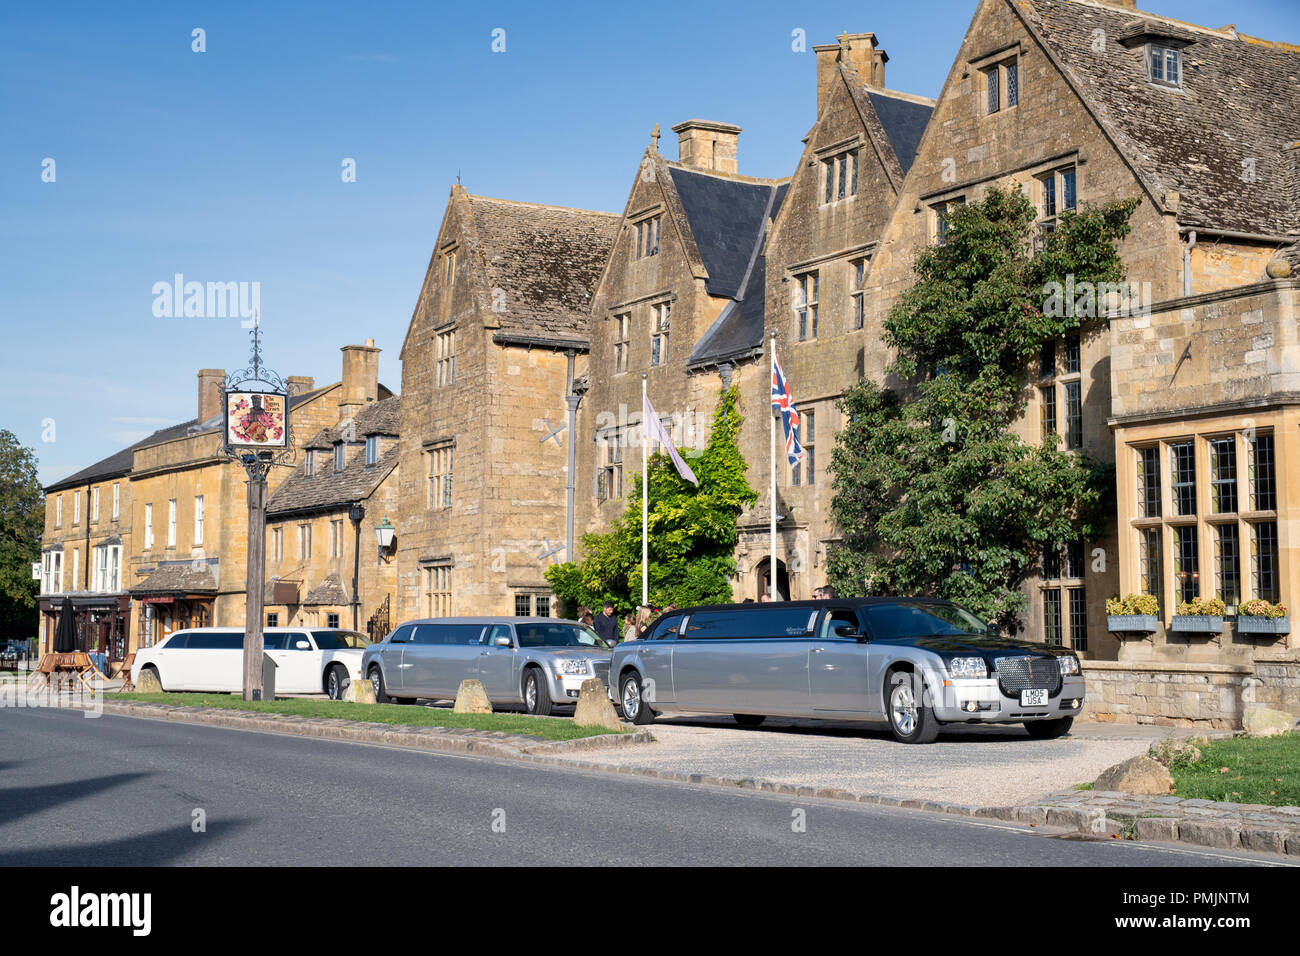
(692, 531)
(934, 493)
(22, 519)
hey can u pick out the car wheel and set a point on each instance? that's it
(537, 698)
(632, 700)
(749, 720)
(911, 721)
(336, 681)
(377, 681)
(1049, 729)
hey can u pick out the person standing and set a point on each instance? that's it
(606, 624)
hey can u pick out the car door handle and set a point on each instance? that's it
(817, 650)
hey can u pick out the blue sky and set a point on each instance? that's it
(225, 166)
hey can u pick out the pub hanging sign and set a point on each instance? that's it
(256, 420)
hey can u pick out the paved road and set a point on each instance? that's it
(121, 790)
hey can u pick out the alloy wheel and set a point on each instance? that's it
(902, 705)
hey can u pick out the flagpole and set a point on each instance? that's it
(645, 507)
(771, 421)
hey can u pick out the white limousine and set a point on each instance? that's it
(309, 660)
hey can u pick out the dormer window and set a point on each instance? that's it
(338, 456)
(372, 449)
(310, 468)
(1164, 64)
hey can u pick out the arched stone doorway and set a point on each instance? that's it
(763, 576)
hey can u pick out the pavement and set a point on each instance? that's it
(973, 766)
(126, 791)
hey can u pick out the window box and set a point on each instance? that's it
(1263, 625)
(1197, 624)
(1132, 623)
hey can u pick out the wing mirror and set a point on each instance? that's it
(502, 642)
(302, 645)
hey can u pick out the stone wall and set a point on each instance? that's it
(1208, 696)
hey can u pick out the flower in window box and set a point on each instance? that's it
(1133, 614)
(1257, 616)
(1199, 616)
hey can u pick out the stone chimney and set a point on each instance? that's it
(300, 384)
(706, 145)
(360, 378)
(858, 50)
(212, 383)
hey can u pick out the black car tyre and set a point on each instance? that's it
(1049, 729)
(377, 680)
(909, 718)
(632, 701)
(749, 720)
(336, 681)
(537, 698)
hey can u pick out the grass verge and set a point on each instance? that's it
(1243, 770)
(545, 727)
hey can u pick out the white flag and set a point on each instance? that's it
(653, 430)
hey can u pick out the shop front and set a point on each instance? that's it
(103, 623)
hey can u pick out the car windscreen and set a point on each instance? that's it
(557, 635)
(901, 619)
(340, 640)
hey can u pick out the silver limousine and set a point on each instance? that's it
(533, 661)
(914, 663)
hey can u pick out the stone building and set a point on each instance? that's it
(321, 523)
(498, 336)
(819, 253)
(1084, 102)
(164, 522)
(680, 301)
(87, 534)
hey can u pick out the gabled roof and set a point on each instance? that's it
(327, 489)
(180, 577)
(546, 260)
(738, 330)
(1237, 110)
(904, 119)
(726, 215)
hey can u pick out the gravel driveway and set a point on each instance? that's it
(978, 766)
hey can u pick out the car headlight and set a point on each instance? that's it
(573, 666)
(968, 667)
(1069, 664)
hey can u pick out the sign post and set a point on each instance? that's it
(256, 403)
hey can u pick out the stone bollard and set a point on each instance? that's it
(148, 683)
(471, 698)
(594, 707)
(1259, 721)
(360, 692)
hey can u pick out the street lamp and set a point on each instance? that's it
(356, 513)
(384, 535)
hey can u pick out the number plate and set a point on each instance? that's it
(1033, 698)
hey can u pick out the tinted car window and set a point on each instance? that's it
(274, 642)
(666, 628)
(402, 634)
(918, 620)
(291, 642)
(750, 622)
(340, 640)
(177, 642)
(216, 642)
(448, 633)
(557, 635)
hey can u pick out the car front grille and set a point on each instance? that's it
(601, 669)
(1029, 673)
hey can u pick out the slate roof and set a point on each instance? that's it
(904, 120)
(547, 260)
(328, 489)
(728, 218)
(329, 591)
(1239, 106)
(181, 577)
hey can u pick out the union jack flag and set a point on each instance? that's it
(782, 400)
